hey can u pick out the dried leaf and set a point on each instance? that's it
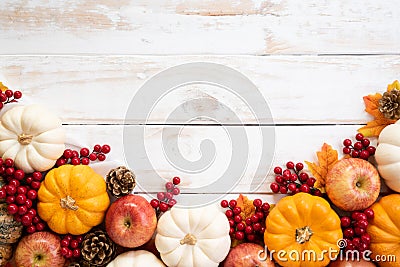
(327, 157)
(246, 205)
(374, 127)
(3, 87)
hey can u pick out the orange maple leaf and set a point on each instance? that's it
(246, 205)
(327, 157)
(374, 127)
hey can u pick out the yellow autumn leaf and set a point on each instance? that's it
(246, 205)
(394, 85)
(3, 87)
(327, 157)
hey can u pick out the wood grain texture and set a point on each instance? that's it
(251, 27)
(292, 143)
(299, 90)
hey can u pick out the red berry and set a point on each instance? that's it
(231, 222)
(3, 193)
(262, 230)
(286, 174)
(366, 238)
(85, 161)
(35, 185)
(364, 154)
(348, 232)
(22, 210)
(232, 203)
(64, 249)
(369, 213)
(105, 149)
(101, 157)
(163, 207)
(28, 203)
(12, 208)
(283, 190)
(356, 242)
(254, 218)
(171, 203)
(359, 231)
(26, 220)
(265, 207)
(3, 97)
(363, 224)
(76, 253)
(92, 156)
(74, 244)
(290, 165)
(176, 191)
(176, 180)
(17, 94)
(358, 145)
(20, 199)
(346, 150)
(67, 153)
(279, 179)
(347, 142)
(19, 174)
(9, 162)
(29, 180)
(14, 182)
(224, 203)
(74, 154)
(40, 226)
(229, 213)
(260, 215)
(239, 235)
(355, 154)
(355, 215)
(154, 203)
(10, 171)
(292, 187)
(278, 170)
(299, 166)
(31, 213)
(303, 177)
(257, 202)
(75, 161)
(362, 247)
(231, 231)
(248, 221)
(359, 136)
(11, 189)
(97, 148)
(9, 93)
(31, 229)
(305, 188)
(345, 222)
(293, 177)
(365, 142)
(248, 229)
(168, 195)
(79, 238)
(257, 227)
(274, 187)
(32, 194)
(84, 152)
(251, 237)
(371, 150)
(361, 216)
(160, 196)
(60, 162)
(240, 226)
(10, 199)
(169, 186)
(237, 218)
(37, 176)
(311, 181)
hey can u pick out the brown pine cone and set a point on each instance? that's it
(120, 181)
(389, 104)
(97, 249)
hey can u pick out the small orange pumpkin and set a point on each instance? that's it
(72, 199)
(384, 230)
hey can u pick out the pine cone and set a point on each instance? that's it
(120, 181)
(97, 249)
(389, 104)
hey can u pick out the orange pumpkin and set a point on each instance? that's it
(300, 228)
(384, 230)
(72, 199)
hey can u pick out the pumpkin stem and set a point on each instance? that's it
(303, 234)
(25, 139)
(189, 239)
(68, 203)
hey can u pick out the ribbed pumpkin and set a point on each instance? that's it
(302, 223)
(384, 229)
(72, 199)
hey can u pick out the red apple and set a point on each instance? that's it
(131, 221)
(351, 263)
(247, 255)
(39, 249)
(353, 184)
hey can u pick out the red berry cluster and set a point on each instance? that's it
(84, 156)
(355, 230)
(70, 246)
(360, 149)
(252, 228)
(20, 194)
(9, 96)
(293, 180)
(165, 200)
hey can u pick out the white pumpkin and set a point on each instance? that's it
(136, 258)
(193, 237)
(387, 155)
(32, 136)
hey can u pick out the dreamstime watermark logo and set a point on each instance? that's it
(171, 104)
(331, 254)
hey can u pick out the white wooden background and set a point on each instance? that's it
(312, 60)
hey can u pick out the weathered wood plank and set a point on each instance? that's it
(299, 90)
(252, 27)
